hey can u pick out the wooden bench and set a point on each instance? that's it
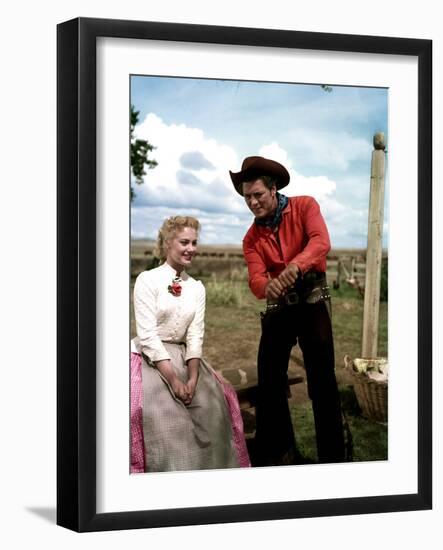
(244, 382)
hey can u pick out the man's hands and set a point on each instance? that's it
(289, 275)
(276, 287)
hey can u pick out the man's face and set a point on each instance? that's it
(261, 201)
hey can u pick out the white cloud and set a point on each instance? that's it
(221, 228)
(171, 183)
(275, 152)
(206, 191)
(329, 150)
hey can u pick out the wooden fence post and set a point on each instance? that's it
(374, 250)
(338, 281)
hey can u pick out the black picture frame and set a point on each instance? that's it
(76, 280)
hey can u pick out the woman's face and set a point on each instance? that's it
(182, 248)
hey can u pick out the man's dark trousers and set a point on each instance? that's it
(310, 325)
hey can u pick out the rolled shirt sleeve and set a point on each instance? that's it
(196, 329)
(146, 320)
(318, 244)
(257, 270)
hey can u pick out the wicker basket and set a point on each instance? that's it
(372, 395)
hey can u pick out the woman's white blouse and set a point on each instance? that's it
(161, 317)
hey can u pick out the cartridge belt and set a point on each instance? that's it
(312, 288)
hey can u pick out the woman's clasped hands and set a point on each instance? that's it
(184, 392)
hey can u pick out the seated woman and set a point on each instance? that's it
(190, 416)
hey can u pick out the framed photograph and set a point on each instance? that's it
(152, 118)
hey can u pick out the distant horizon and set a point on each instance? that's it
(239, 245)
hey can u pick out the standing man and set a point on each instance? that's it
(285, 250)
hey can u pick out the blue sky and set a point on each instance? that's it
(203, 128)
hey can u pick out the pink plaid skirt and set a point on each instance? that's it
(137, 444)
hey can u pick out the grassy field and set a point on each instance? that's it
(233, 324)
(232, 333)
(231, 341)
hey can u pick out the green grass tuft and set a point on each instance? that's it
(370, 438)
(226, 293)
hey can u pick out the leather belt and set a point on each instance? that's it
(312, 288)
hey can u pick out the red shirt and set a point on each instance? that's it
(304, 240)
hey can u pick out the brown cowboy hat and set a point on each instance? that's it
(254, 167)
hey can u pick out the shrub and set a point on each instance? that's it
(224, 293)
(238, 274)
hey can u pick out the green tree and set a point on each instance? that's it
(140, 149)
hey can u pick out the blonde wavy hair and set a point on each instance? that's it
(169, 229)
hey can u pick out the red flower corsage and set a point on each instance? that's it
(175, 289)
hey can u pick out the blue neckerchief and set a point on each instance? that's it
(274, 221)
